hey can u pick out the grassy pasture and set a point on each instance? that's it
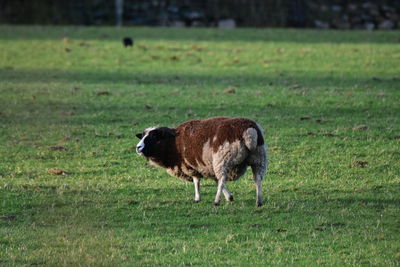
(73, 98)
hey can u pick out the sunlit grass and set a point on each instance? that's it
(332, 192)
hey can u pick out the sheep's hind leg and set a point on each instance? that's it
(221, 185)
(197, 196)
(258, 174)
(228, 196)
(220, 170)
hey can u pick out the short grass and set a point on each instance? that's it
(332, 191)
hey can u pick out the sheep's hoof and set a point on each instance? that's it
(196, 200)
(216, 203)
(231, 198)
(259, 204)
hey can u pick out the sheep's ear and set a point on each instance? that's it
(139, 135)
(167, 132)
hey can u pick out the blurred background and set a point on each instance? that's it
(335, 14)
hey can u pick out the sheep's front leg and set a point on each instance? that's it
(197, 196)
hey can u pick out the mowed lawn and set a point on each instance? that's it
(73, 98)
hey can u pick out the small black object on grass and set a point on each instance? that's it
(127, 41)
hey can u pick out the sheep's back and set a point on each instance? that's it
(196, 138)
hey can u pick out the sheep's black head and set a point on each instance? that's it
(153, 140)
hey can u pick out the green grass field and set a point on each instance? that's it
(73, 98)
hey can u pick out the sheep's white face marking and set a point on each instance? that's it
(141, 144)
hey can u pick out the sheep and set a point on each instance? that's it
(127, 41)
(219, 148)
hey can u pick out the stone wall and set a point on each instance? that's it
(336, 14)
(368, 15)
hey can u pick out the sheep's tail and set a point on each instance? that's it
(253, 137)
